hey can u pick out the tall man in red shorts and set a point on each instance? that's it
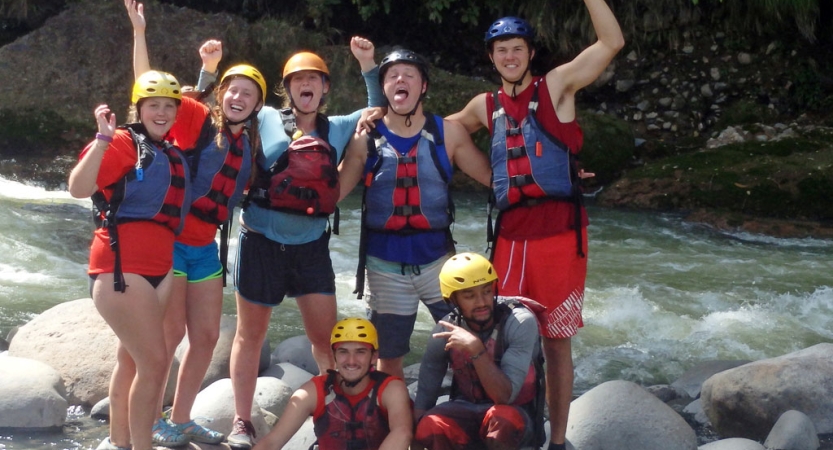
(540, 251)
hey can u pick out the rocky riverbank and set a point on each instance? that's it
(782, 402)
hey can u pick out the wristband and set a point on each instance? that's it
(478, 355)
(104, 137)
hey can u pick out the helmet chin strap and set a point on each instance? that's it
(517, 82)
(351, 384)
(408, 115)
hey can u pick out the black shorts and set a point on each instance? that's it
(266, 270)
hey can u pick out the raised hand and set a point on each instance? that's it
(136, 11)
(363, 49)
(106, 120)
(459, 338)
(211, 53)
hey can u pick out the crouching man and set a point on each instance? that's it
(493, 348)
(353, 407)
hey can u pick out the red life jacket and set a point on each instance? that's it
(346, 427)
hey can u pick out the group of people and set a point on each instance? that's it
(164, 183)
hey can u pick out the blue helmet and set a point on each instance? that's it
(507, 27)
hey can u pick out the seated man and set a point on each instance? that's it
(353, 407)
(492, 345)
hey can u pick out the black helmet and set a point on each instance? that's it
(403, 56)
(507, 27)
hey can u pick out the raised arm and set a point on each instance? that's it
(397, 402)
(473, 116)
(352, 166)
(136, 12)
(82, 179)
(363, 50)
(301, 405)
(591, 62)
(464, 154)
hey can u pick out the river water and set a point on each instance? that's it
(662, 294)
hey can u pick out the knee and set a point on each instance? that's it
(503, 423)
(204, 339)
(428, 431)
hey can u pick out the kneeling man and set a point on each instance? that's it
(492, 346)
(353, 407)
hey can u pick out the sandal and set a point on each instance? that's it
(199, 433)
(166, 434)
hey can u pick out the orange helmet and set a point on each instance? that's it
(304, 61)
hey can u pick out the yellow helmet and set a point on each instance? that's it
(248, 72)
(156, 84)
(463, 271)
(355, 329)
(304, 61)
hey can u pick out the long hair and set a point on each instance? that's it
(218, 119)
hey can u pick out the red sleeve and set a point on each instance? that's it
(189, 120)
(319, 381)
(119, 159)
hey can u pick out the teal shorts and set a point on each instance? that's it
(197, 263)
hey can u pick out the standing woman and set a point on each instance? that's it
(283, 252)
(139, 186)
(219, 145)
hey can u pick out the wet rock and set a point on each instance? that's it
(32, 394)
(793, 431)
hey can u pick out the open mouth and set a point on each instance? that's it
(236, 108)
(401, 95)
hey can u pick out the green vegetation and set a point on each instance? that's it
(787, 179)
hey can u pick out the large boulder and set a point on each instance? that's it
(73, 339)
(214, 408)
(32, 394)
(625, 413)
(692, 380)
(747, 401)
(272, 395)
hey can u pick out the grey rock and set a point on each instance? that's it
(692, 380)
(732, 444)
(706, 91)
(624, 85)
(296, 350)
(744, 58)
(747, 401)
(272, 395)
(695, 411)
(793, 431)
(32, 394)
(625, 413)
(289, 373)
(214, 408)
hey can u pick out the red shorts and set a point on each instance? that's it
(549, 271)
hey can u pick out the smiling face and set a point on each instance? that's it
(476, 304)
(403, 86)
(353, 359)
(306, 88)
(157, 114)
(241, 97)
(511, 58)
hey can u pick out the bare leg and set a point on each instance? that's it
(392, 366)
(174, 327)
(136, 318)
(318, 312)
(204, 307)
(252, 324)
(120, 383)
(559, 368)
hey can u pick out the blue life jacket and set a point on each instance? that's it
(408, 193)
(157, 190)
(528, 163)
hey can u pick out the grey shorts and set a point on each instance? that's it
(393, 299)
